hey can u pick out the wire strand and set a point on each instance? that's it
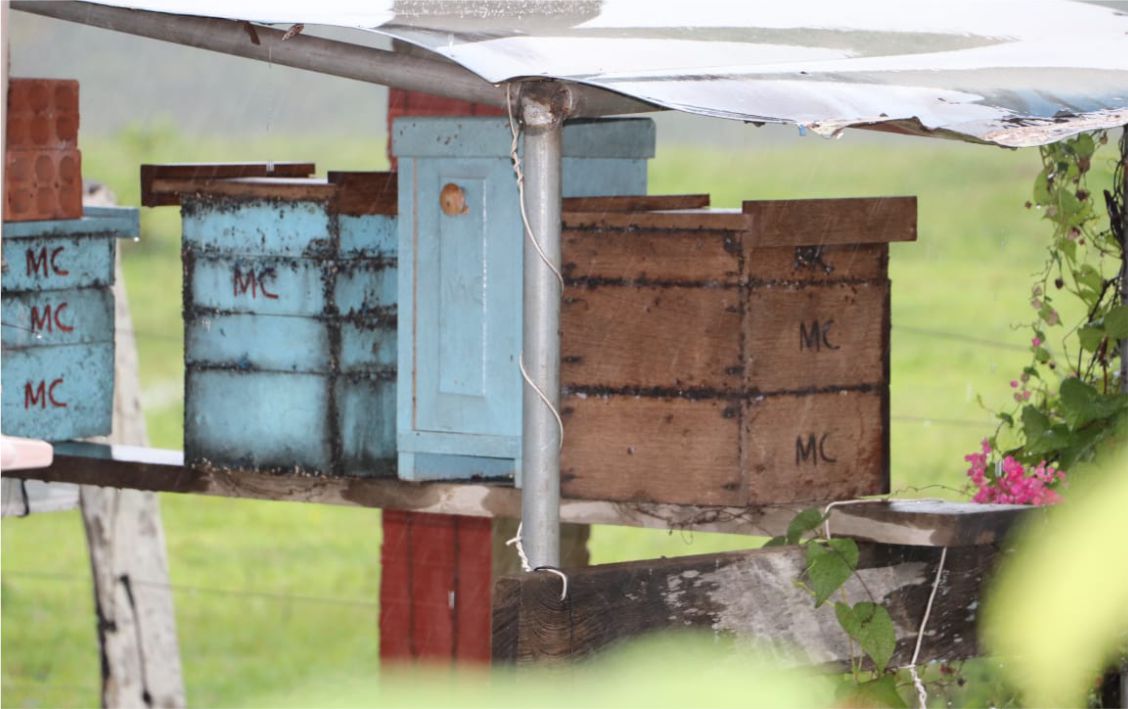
(922, 693)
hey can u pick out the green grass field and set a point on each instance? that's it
(274, 596)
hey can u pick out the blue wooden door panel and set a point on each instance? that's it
(258, 419)
(373, 235)
(364, 286)
(53, 263)
(368, 347)
(248, 341)
(429, 466)
(58, 317)
(268, 286)
(466, 318)
(367, 423)
(58, 392)
(262, 227)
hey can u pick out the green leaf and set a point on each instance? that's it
(1090, 337)
(880, 692)
(1084, 146)
(1116, 322)
(829, 564)
(1041, 189)
(870, 625)
(1090, 278)
(803, 522)
(1082, 404)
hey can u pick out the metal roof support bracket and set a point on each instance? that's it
(542, 105)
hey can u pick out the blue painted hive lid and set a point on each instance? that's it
(465, 137)
(109, 222)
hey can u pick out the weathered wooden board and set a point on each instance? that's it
(635, 203)
(831, 445)
(158, 195)
(926, 523)
(879, 220)
(808, 337)
(750, 595)
(865, 220)
(780, 449)
(593, 257)
(646, 448)
(806, 264)
(671, 339)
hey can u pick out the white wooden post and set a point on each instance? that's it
(133, 601)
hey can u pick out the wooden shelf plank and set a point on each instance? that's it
(915, 523)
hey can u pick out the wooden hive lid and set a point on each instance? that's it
(805, 222)
(349, 193)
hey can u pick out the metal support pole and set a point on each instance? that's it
(351, 61)
(542, 112)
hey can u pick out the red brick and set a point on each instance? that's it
(42, 184)
(42, 114)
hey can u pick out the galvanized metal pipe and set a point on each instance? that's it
(351, 61)
(540, 452)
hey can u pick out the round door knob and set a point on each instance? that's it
(452, 200)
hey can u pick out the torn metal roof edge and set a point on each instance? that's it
(425, 71)
(350, 61)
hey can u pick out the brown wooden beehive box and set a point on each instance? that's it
(727, 358)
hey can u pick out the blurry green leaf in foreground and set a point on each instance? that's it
(1059, 609)
(672, 670)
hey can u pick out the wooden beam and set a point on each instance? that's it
(916, 523)
(751, 596)
(156, 191)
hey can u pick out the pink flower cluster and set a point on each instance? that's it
(1011, 484)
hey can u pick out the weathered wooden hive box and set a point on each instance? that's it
(728, 358)
(58, 323)
(460, 288)
(290, 323)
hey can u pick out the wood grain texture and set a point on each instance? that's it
(160, 470)
(676, 220)
(157, 195)
(866, 220)
(650, 256)
(295, 189)
(675, 338)
(797, 264)
(808, 222)
(361, 193)
(750, 596)
(816, 337)
(635, 203)
(137, 632)
(814, 448)
(643, 449)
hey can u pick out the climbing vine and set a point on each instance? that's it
(1069, 398)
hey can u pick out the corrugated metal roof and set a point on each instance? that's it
(1011, 72)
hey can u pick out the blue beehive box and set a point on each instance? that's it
(58, 324)
(289, 315)
(460, 288)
